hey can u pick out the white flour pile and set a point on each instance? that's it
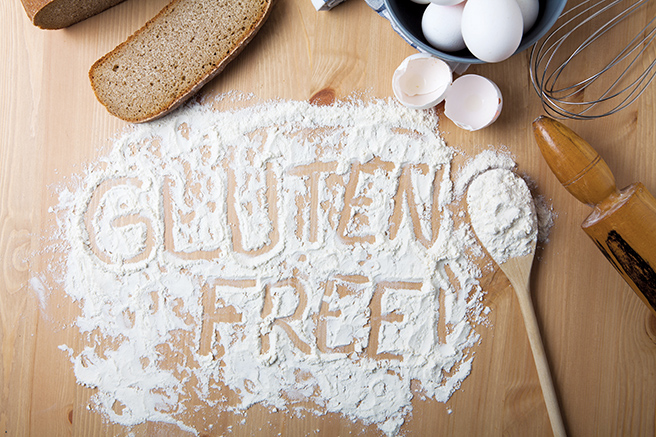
(302, 257)
(503, 214)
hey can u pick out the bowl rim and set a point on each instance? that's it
(530, 38)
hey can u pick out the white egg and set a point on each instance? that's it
(421, 81)
(492, 29)
(446, 2)
(441, 27)
(421, 2)
(473, 102)
(530, 10)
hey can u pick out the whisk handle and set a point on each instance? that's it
(574, 162)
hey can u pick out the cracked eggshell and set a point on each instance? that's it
(421, 81)
(473, 102)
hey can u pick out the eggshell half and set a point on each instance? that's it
(421, 81)
(473, 102)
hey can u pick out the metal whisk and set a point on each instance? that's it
(577, 72)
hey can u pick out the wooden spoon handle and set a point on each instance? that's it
(544, 374)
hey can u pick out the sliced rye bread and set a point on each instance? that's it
(57, 14)
(173, 55)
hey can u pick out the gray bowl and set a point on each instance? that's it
(406, 16)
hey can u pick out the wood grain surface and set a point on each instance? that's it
(599, 337)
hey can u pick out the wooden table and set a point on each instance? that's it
(600, 339)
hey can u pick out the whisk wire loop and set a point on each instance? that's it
(585, 30)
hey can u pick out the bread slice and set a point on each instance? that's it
(57, 14)
(184, 46)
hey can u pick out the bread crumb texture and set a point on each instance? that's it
(181, 48)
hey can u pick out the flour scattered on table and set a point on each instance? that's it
(307, 258)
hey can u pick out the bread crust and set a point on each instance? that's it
(184, 94)
(58, 14)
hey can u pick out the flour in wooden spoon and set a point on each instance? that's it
(296, 256)
(503, 214)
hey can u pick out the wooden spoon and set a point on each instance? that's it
(504, 218)
(518, 272)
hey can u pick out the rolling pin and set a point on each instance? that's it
(622, 223)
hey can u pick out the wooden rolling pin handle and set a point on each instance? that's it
(622, 224)
(574, 162)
